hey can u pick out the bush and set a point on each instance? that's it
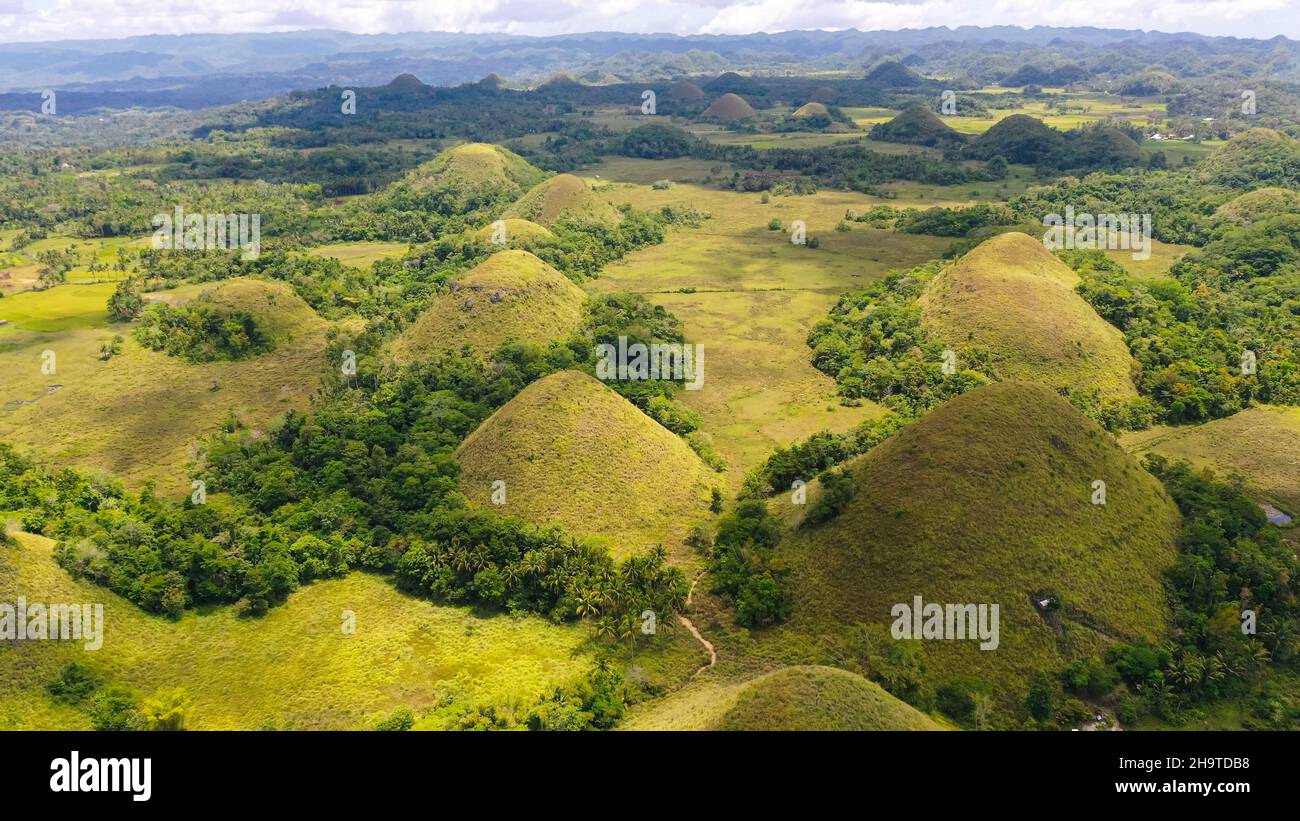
(399, 720)
(74, 684)
(114, 710)
(837, 489)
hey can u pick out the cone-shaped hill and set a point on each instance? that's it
(511, 294)
(1254, 157)
(1014, 299)
(1018, 138)
(563, 196)
(276, 308)
(791, 698)
(893, 73)
(1257, 205)
(516, 230)
(989, 499)
(572, 452)
(729, 107)
(686, 90)
(477, 174)
(812, 110)
(917, 125)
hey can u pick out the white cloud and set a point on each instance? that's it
(85, 19)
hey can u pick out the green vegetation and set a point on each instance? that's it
(917, 125)
(819, 698)
(987, 499)
(512, 295)
(573, 452)
(918, 338)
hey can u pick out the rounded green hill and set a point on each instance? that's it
(989, 499)
(477, 174)
(1257, 205)
(917, 125)
(510, 295)
(1013, 299)
(1019, 138)
(1254, 157)
(563, 197)
(516, 230)
(573, 452)
(820, 698)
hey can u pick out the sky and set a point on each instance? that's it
(30, 20)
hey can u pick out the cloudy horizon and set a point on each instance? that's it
(51, 20)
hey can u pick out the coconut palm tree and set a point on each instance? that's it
(166, 709)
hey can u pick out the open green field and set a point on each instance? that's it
(139, 414)
(18, 269)
(64, 308)
(1163, 256)
(909, 194)
(750, 297)
(360, 254)
(1079, 110)
(293, 668)
(1261, 444)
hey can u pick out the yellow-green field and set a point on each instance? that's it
(360, 254)
(294, 668)
(1261, 444)
(750, 297)
(139, 414)
(18, 269)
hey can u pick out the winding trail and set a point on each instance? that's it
(713, 654)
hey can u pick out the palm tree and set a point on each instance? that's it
(166, 709)
(588, 603)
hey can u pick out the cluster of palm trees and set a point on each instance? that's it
(545, 571)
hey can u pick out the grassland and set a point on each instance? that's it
(573, 452)
(1260, 444)
(1012, 298)
(750, 297)
(511, 294)
(988, 499)
(793, 698)
(360, 254)
(19, 269)
(139, 414)
(294, 668)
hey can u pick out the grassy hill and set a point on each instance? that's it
(291, 669)
(276, 307)
(1019, 138)
(517, 231)
(1254, 157)
(987, 499)
(686, 90)
(1013, 298)
(563, 196)
(477, 174)
(729, 107)
(511, 294)
(1259, 204)
(573, 452)
(917, 125)
(1261, 444)
(893, 73)
(140, 414)
(813, 109)
(820, 698)
(792, 698)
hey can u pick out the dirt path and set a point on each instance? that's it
(713, 654)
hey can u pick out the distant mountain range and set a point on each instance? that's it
(200, 70)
